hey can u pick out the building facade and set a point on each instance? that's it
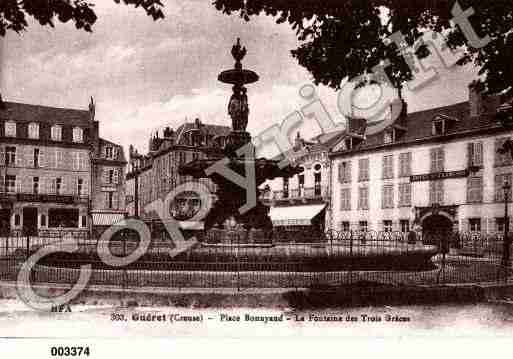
(47, 162)
(154, 175)
(302, 203)
(433, 170)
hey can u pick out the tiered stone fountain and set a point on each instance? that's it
(232, 197)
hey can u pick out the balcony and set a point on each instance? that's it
(306, 193)
(19, 196)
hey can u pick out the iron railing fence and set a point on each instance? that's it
(333, 259)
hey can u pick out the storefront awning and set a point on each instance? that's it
(107, 219)
(295, 215)
(191, 225)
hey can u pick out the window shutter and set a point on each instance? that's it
(115, 200)
(85, 187)
(19, 185)
(116, 176)
(383, 197)
(341, 173)
(478, 149)
(105, 175)
(470, 153)
(2, 156)
(19, 157)
(53, 186)
(348, 172)
(115, 152)
(42, 157)
(2, 184)
(384, 168)
(432, 154)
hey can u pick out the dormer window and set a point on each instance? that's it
(348, 143)
(10, 129)
(56, 133)
(78, 135)
(109, 153)
(438, 127)
(441, 124)
(33, 130)
(388, 137)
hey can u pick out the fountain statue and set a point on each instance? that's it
(230, 196)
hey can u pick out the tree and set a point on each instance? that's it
(14, 13)
(346, 38)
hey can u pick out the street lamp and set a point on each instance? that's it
(505, 252)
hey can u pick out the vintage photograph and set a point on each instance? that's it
(255, 168)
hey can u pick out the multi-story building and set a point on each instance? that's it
(302, 203)
(437, 169)
(47, 160)
(156, 173)
(108, 185)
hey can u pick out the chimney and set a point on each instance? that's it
(475, 101)
(298, 142)
(92, 109)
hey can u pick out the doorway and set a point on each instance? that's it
(435, 227)
(5, 222)
(30, 221)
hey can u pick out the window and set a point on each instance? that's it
(499, 182)
(17, 220)
(388, 137)
(475, 189)
(405, 225)
(80, 186)
(181, 157)
(363, 226)
(111, 176)
(502, 159)
(35, 185)
(474, 224)
(387, 225)
(344, 226)
(404, 194)
(58, 186)
(56, 133)
(388, 166)
(363, 198)
(109, 154)
(499, 225)
(301, 184)
(33, 130)
(110, 200)
(363, 169)
(438, 128)
(10, 129)
(78, 135)
(36, 157)
(345, 199)
(285, 187)
(475, 154)
(43, 220)
(317, 184)
(195, 156)
(63, 217)
(344, 172)
(437, 159)
(83, 221)
(388, 196)
(10, 156)
(436, 192)
(10, 184)
(405, 164)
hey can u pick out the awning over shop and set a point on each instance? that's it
(107, 219)
(191, 225)
(295, 215)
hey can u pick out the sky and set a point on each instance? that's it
(145, 75)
